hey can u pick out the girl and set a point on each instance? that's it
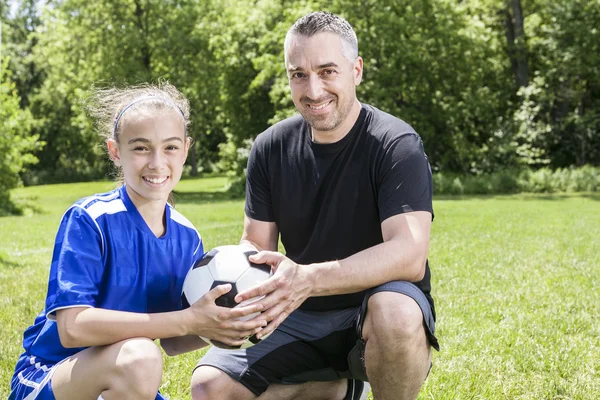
(119, 262)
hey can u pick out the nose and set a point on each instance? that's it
(157, 160)
(314, 88)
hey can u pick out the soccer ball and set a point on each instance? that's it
(222, 265)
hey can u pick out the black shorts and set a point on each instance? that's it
(311, 346)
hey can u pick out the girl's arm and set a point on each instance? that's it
(88, 326)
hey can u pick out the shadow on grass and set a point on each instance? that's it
(22, 206)
(6, 262)
(204, 197)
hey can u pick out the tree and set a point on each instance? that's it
(516, 41)
(561, 105)
(16, 145)
(83, 44)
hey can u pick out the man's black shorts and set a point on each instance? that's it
(311, 346)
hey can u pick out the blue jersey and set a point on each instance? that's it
(105, 256)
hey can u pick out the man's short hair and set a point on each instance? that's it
(323, 21)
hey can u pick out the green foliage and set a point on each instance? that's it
(458, 104)
(562, 102)
(565, 180)
(234, 160)
(543, 180)
(445, 67)
(16, 143)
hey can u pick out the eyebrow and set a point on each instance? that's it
(327, 65)
(294, 68)
(144, 140)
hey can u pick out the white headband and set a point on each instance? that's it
(146, 98)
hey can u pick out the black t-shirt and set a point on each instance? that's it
(328, 200)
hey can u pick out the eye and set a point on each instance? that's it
(298, 75)
(328, 72)
(172, 147)
(140, 148)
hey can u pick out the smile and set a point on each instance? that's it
(319, 107)
(156, 181)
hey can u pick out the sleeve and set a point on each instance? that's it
(77, 263)
(196, 258)
(258, 193)
(198, 253)
(405, 178)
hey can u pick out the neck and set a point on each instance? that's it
(337, 134)
(152, 211)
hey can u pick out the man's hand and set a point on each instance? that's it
(208, 320)
(284, 292)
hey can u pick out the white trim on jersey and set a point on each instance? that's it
(51, 317)
(101, 197)
(105, 207)
(106, 204)
(102, 207)
(180, 219)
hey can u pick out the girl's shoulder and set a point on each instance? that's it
(181, 223)
(96, 205)
(102, 198)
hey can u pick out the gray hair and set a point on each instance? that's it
(323, 21)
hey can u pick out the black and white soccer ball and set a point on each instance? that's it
(222, 265)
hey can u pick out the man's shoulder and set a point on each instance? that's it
(382, 124)
(282, 129)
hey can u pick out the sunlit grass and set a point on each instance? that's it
(516, 281)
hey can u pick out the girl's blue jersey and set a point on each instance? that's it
(105, 256)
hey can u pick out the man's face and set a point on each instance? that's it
(322, 81)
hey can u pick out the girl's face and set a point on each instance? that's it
(151, 152)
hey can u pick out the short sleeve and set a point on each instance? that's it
(405, 178)
(77, 265)
(258, 194)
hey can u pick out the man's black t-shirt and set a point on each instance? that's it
(328, 200)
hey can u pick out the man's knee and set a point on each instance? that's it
(394, 316)
(138, 368)
(212, 383)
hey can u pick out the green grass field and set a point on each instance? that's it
(516, 281)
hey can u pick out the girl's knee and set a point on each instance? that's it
(138, 368)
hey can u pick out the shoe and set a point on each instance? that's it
(357, 390)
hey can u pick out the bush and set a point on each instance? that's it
(544, 180)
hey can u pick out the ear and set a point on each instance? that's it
(113, 151)
(358, 70)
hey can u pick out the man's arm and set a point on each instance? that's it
(260, 234)
(402, 256)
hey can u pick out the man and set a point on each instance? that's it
(348, 188)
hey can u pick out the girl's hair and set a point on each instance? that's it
(110, 107)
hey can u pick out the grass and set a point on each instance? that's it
(516, 281)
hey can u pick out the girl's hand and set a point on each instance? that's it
(208, 320)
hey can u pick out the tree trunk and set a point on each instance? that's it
(516, 42)
(193, 160)
(142, 23)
